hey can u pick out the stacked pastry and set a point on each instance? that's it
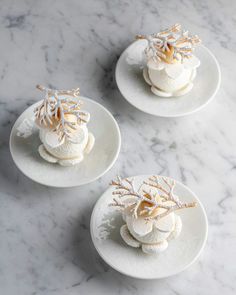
(63, 127)
(149, 212)
(170, 62)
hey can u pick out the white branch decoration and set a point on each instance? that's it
(174, 37)
(56, 107)
(126, 187)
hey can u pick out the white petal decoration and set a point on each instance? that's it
(160, 93)
(166, 224)
(177, 230)
(194, 73)
(191, 63)
(146, 76)
(156, 248)
(52, 139)
(155, 65)
(142, 226)
(71, 162)
(45, 155)
(174, 70)
(126, 236)
(90, 144)
(78, 136)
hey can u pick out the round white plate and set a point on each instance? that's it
(132, 86)
(104, 154)
(180, 254)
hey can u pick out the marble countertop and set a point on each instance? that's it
(45, 244)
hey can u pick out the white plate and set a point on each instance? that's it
(180, 254)
(99, 161)
(131, 84)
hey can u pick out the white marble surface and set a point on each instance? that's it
(45, 244)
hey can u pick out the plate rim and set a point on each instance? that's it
(153, 277)
(71, 185)
(175, 115)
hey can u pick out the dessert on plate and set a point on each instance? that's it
(170, 65)
(149, 212)
(63, 127)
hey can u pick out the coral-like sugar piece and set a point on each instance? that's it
(170, 45)
(60, 111)
(148, 212)
(146, 203)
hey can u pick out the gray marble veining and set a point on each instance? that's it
(45, 244)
